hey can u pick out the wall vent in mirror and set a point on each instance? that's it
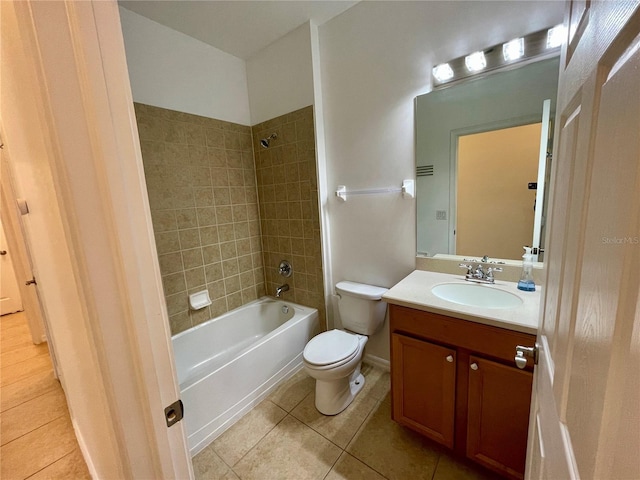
(424, 170)
(540, 44)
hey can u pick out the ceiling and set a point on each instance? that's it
(238, 27)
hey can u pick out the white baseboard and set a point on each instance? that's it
(377, 362)
(84, 451)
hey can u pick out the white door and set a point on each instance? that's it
(10, 300)
(68, 119)
(585, 420)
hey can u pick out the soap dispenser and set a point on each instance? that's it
(526, 282)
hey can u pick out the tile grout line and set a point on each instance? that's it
(254, 446)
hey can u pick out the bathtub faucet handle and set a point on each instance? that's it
(284, 269)
(281, 289)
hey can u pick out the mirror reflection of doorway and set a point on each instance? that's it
(495, 207)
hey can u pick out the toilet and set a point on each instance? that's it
(334, 357)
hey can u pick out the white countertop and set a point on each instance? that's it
(414, 291)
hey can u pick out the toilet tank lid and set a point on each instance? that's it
(361, 290)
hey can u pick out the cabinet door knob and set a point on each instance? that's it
(450, 358)
(474, 366)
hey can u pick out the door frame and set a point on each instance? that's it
(84, 122)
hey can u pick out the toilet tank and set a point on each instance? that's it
(361, 307)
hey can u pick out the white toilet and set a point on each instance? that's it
(333, 358)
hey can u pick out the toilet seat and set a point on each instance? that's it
(332, 348)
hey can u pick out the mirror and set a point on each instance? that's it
(454, 127)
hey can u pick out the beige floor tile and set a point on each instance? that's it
(233, 444)
(397, 453)
(377, 381)
(24, 369)
(339, 428)
(31, 415)
(26, 389)
(290, 451)
(291, 392)
(451, 468)
(207, 465)
(350, 468)
(71, 466)
(37, 449)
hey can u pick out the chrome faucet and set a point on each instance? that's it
(477, 273)
(281, 289)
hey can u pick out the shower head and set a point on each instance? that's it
(265, 141)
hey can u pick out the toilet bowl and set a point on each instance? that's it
(333, 358)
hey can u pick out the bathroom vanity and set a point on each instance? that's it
(453, 374)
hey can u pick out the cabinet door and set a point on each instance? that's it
(423, 387)
(498, 420)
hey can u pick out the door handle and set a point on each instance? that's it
(522, 353)
(3, 252)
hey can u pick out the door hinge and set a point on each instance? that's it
(174, 413)
(31, 282)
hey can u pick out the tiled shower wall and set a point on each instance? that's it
(288, 193)
(201, 181)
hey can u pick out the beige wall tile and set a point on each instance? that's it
(174, 283)
(170, 263)
(167, 242)
(163, 220)
(234, 300)
(195, 278)
(203, 196)
(203, 193)
(192, 258)
(211, 254)
(189, 238)
(177, 303)
(200, 316)
(208, 235)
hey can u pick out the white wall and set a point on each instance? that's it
(280, 76)
(171, 70)
(376, 58)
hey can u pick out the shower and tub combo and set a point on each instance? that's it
(229, 364)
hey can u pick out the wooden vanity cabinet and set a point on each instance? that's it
(455, 382)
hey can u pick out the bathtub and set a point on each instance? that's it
(227, 365)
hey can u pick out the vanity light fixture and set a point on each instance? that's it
(532, 47)
(475, 61)
(513, 50)
(442, 72)
(555, 36)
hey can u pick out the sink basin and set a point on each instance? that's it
(476, 295)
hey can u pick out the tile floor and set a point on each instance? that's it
(37, 440)
(285, 437)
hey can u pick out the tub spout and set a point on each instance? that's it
(282, 288)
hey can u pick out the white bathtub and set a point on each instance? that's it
(229, 364)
